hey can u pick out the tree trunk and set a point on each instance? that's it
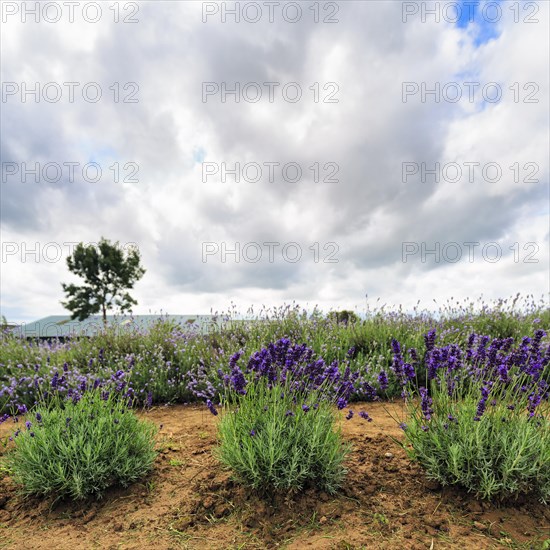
(104, 315)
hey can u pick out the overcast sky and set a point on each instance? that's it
(414, 164)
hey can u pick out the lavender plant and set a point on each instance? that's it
(75, 449)
(278, 429)
(481, 418)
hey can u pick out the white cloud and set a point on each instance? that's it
(369, 133)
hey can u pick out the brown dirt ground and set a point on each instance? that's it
(189, 501)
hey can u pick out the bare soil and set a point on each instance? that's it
(189, 501)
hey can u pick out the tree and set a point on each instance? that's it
(343, 317)
(108, 273)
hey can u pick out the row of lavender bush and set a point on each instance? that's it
(172, 364)
(478, 408)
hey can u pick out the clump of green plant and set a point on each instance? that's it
(501, 455)
(78, 449)
(482, 419)
(273, 444)
(279, 427)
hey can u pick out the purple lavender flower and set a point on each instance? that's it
(305, 408)
(368, 391)
(211, 407)
(341, 403)
(408, 371)
(433, 359)
(238, 380)
(426, 403)
(534, 402)
(535, 344)
(349, 416)
(397, 364)
(481, 351)
(395, 346)
(28, 424)
(429, 340)
(502, 370)
(234, 359)
(485, 391)
(365, 416)
(471, 341)
(383, 380)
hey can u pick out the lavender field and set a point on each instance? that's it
(171, 364)
(297, 405)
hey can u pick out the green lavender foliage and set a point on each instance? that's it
(484, 429)
(271, 450)
(502, 455)
(76, 450)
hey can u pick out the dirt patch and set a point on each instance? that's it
(189, 501)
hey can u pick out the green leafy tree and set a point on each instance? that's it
(108, 274)
(344, 317)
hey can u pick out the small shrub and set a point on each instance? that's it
(278, 429)
(482, 421)
(273, 443)
(79, 449)
(503, 454)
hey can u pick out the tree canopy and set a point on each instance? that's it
(108, 272)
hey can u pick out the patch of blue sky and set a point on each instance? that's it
(483, 17)
(102, 155)
(14, 315)
(199, 155)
